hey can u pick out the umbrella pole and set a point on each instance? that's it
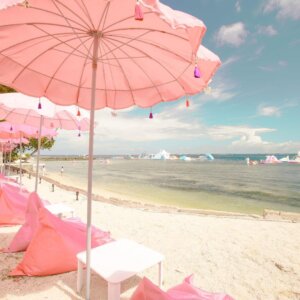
(38, 155)
(20, 166)
(90, 169)
(2, 158)
(9, 163)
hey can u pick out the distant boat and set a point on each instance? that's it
(206, 157)
(270, 159)
(296, 160)
(285, 159)
(162, 155)
(185, 158)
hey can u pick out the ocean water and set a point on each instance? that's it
(226, 183)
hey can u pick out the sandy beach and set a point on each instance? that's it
(248, 258)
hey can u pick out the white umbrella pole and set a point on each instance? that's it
(90, 169)
(9, 163)
(38, 155)
(2, 156)
(20, 166)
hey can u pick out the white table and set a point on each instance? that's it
(118, 261)
(60, 209)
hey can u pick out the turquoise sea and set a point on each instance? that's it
(226, 183)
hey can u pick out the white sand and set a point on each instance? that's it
(246, 258)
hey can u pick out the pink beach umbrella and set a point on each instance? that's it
(20, 131)
(41, 113)
(99, 53)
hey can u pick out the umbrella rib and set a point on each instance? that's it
(148, 76)
(148, 43)
(38, 56)
(33, 39)
(124, 74)
(60, 15)
(54, 1)
(104, 15)
(122, 44)
(151, 58)
(148, 29)
(82, 71)
(113, 82)
(71, 84)
(61, 64)
(104, 78)
(86, 12)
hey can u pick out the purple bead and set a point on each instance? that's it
(197, 73)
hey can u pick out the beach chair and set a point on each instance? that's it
(147, 290)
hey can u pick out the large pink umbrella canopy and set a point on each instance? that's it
(101, 56)
(47, 51)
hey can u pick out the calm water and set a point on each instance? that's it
(224, 184)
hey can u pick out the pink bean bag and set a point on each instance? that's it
(23, 237)
(54, 246)
(13, 204)
(184, 291)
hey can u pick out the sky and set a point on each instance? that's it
(254, 102)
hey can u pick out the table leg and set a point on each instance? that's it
(79, 275)
(160, 274)
(114, 291)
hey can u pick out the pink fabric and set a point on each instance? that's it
(21, 109)
(24, 130)
(140, 62)
(13, 205)
(55, 244)
(24, 236)
(6, 3)
(184, 291)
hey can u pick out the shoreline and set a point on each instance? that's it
(247, 258)
(125, 201)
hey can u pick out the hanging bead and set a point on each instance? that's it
(51, 125)
(40, 104)
(187, 103)
(79, 134)
(197, 73)
(139, 15)
(78, 113)
(151, 116)
(11, 129)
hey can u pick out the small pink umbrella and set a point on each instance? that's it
(40, 113)
(103, 54)
(19, 131)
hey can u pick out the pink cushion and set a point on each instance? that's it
(184, 291)
(13, 204)
(23, 237)
(54, 246)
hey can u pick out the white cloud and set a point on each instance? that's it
(282, 63)
(232, 35)
(267, 30)
(285, 8)
(269, 111)
(238, 6)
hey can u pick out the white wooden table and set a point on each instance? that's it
(118, 261)
(60, 209)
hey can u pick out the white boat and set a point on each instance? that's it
(162, 155)
(270, 159)
(296, 160)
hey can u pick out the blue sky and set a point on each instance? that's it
(254, 104)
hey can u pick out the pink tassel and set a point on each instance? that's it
(51, 125)
(187, 103)
(139, 15)
(78, 113)
(197, 73)
(40, 105)
(11, 129)
(151, 116)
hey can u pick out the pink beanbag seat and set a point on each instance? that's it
(184, 291)
(54, 246)
(23, 237)
(13, 204)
